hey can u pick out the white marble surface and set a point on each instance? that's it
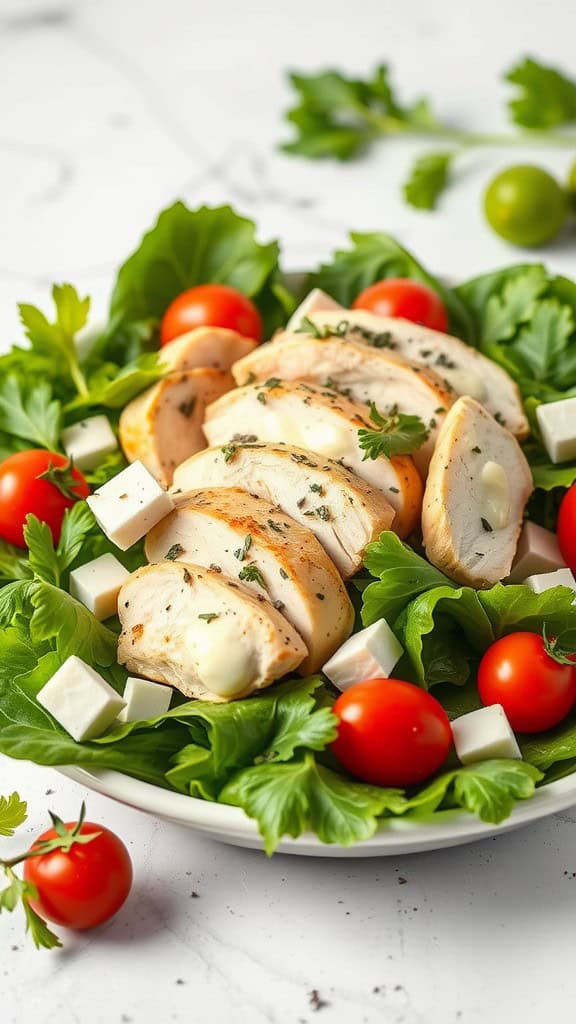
(110, 109)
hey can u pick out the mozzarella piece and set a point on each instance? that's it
(537, 552)
(371, 653)
(80, 700)
(557, 422)
(89, 441)
(144, 700)
(495, 495)
(97, 585)
(484, 734)
(315, 302)
(546, 580)
(129, 505)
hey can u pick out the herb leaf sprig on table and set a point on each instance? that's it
(339, 117)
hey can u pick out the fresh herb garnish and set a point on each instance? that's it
(397, 434)
(209, 616)
(251, 574)
(317, 488)
(241, 553)
(174, 553)
(228, 451)
(325, 331)
(322, 512)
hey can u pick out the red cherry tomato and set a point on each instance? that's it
(84, 886)
(566, 528)
(211, 305)
(391, 733)
(22, 493)
(535, 691)
(405, 298)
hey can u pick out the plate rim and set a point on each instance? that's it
(394, 836)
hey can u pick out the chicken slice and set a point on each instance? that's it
(478, 485)
(362, 373)
(324, 422)
(203, 633)
(163, 426)
(462, 367)
(206, 346)
(286, 476)
(255, 542)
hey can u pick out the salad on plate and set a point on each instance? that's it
(306, 552)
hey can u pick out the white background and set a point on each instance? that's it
(110, 109)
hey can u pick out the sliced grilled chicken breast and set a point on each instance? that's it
(163, 426)
(323, 422)
(203, 633)
(206, 346)
(362, 373)
(343, 511)
(478, 485)
(465, 369)
(258, 544)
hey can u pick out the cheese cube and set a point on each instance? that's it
(557, 422)
(315, 302)
(89, 441)
(537, 552)
(483, 734)
(129, 505)
(144, 699)
(371, 653)
(80, 700)
(97, 585)
(546, 580)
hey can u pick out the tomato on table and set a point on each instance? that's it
(566, 528)
(41, 483)
(85, 884)
(211, 305)
(402, 297)
(535, 689)
(391, 733)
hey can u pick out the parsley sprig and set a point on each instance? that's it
(396, 434)
(340, 117)
(19, 892)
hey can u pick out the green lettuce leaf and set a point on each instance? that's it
(189, 247)
(377, 255)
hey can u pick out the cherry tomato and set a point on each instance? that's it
(566, 528)
(84, 886)
(525, 205)
(211, 305)
(391, 733)
(22, 492)
(405, 298)
(535, 690)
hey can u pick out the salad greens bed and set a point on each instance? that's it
(270, 754)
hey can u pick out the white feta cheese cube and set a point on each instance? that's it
(129, 505)
(483, 734)
(537, 552)
(89, 441)
(316, 301)
(144, 699)
(557, 422)
(97, 585)
(80, 700)
(546, 580)
(369, 654)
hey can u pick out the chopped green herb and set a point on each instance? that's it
(241, 553)
(303, 460)
(209, 616)
(283, 574)
(476, 449)
(272, 382)
(317, 488)
(228, 451)
(322, 512)
(251, 574)
(275, 526)
(486, 525)
(261, 397)
(173, 553)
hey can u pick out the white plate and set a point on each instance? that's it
(396, 836)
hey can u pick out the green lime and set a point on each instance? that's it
(525, 205)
